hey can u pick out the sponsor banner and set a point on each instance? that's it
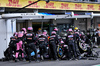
(51, 5)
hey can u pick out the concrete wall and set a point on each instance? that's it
(61, 21)
(29, 23)
(88, 24)
(21, 24)
(80, 23)
(64, 20)
(97, 21)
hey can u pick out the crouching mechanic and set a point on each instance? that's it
(30, 46)
(53, 40)
(12, 45)
(65, 50)
(19, 44)
(42, 46)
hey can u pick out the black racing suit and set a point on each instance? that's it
(65, 50)
(12, 46)
(30, 46)
(77, 39)
(42, 45)
(71, 45)
(53, 40)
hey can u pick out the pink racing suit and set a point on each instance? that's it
(19, 44)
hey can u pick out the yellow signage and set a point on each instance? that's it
(51, 5)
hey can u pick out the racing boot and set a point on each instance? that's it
(16, 60)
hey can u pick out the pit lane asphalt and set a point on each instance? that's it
(54, 63)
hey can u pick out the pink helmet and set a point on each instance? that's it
(62, 42)
(24, 29)
(30, 28)
(44, 33)
(70, 29)
(53, 32)
(55, 29)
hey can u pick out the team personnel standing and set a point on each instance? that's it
(31, 41)
(70, 40)
(98, 36)
(53, 41)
